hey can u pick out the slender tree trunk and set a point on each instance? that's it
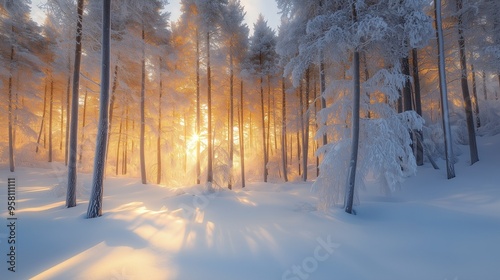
(84, 120)
(263, 124)
(68, 96)
(143, 118)
(72, 176)
(125, 149)
(112, 107)
(95, 202)
(231, 117)
(268, 139)
(209, 104)
(118, 147)
(198, 108)
(11, 113)
(474, 93)
(474, 157)
(283, 130)
(43, 117)
(305, 135)
(485, 91)
(351, 174)
(242, 140)
(158, 139)
(51, 107)
(418, 105)
(61, 128)
(322, 78)
(450, 169)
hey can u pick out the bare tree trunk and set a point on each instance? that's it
(322, 78)
(72, 176)
(474, 157)
(143, 118)
(485, 90)
(61, 128)
(305, 135)
(125, 148)
(351, 173)
(210, 174)
(95, 202)
(112, 108)
(51, 106)
(418, 105)
(283, 130)
(118, 147)
(158, 139)
(474, 94)
(198, 108)
(450, 169)
(242, 140)
(84, 120)
(68, 90)
(231, 118)
(43, 117)
(263, 125)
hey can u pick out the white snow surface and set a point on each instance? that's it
(433, 228)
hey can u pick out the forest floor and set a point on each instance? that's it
(433, 228)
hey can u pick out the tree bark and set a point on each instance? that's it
(231, 117)
(305, 133)
(95, 202)
(418, 105)
(158, 139)
(474, 94)
(209, 105)
(51, 108)
(72, 176)
(43, 117)
(465, 90)
(143, 118)
(351, 173)
(450, 169)
(283, 130)
(198, 108)
(263, 123)
(242, 140)
(84, 120)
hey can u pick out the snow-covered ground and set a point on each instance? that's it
(433, 228)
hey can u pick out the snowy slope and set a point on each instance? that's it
(432, 229)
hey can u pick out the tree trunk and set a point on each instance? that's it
(450, 169)
(242, 140)
(465, 90)
(263, 124)
(198, 108)
(118, 147)
(143, 118)
(43, 117)
(95, 202)
(322, 78)
(51, 107)
(283, 130)
(158, 139)
(231, 117)
(112, 108)
(210, 174)
(351, 173)
(84, 120)
(72, 176)
(485, 91)
(418, 105)
(68, 91)
(305, 134)
(474, 94)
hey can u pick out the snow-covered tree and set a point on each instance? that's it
(262, 60)
(95, 201)
(347, 30)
